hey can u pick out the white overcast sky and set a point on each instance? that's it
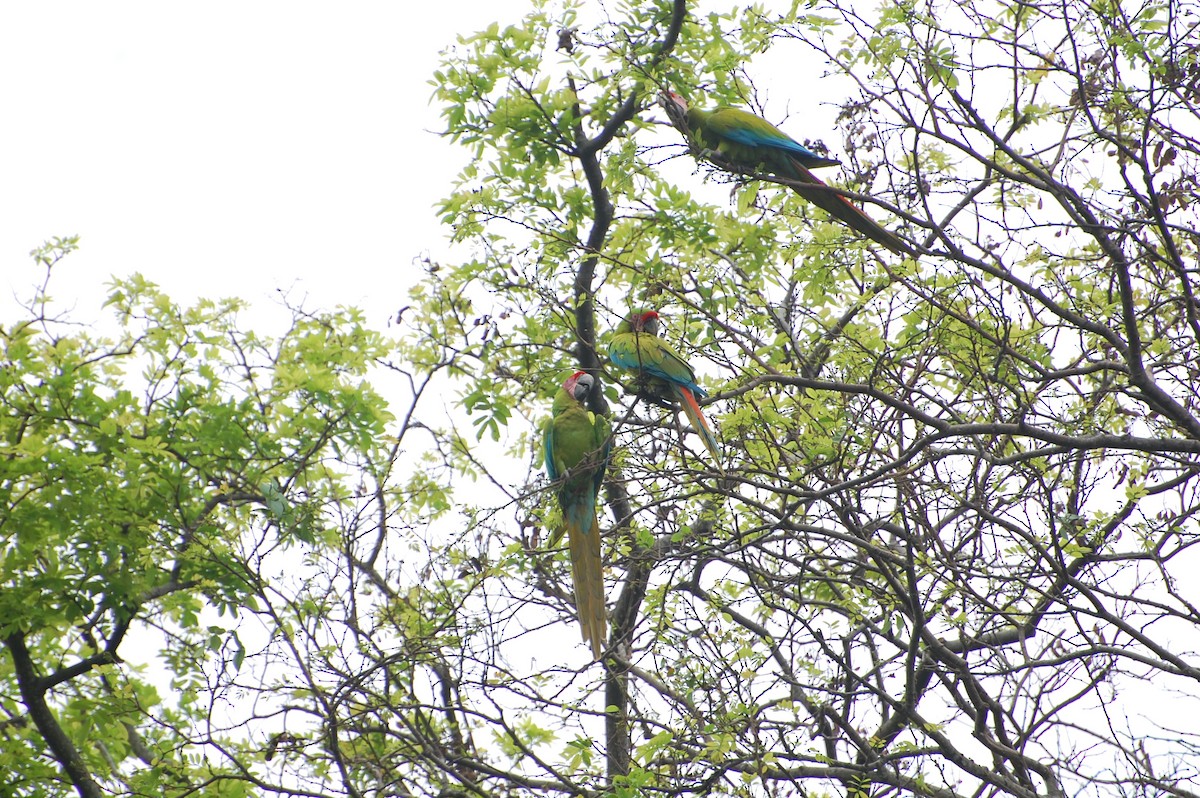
(228, 149)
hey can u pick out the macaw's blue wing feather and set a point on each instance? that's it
(751, 130)
(548, 451)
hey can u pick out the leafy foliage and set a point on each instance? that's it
(950, 480)
(948, 553)
(145, 481)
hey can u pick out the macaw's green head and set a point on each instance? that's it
(676, 108)
(641, 320)
(579, 385)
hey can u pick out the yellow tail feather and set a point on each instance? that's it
(588, 575)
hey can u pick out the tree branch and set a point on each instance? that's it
(33, 695)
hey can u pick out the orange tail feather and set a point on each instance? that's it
(691, 409)
(844, 210)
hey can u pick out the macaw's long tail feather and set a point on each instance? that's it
(699, 423)
(841, 208)
(588, 575)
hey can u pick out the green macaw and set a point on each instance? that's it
(750, 142)
(577, 448)
(635, 346)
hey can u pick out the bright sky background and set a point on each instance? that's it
(227, 149)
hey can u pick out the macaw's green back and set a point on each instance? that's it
(636, 347)
(642, 351)
(577, 448)
(748, 142)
